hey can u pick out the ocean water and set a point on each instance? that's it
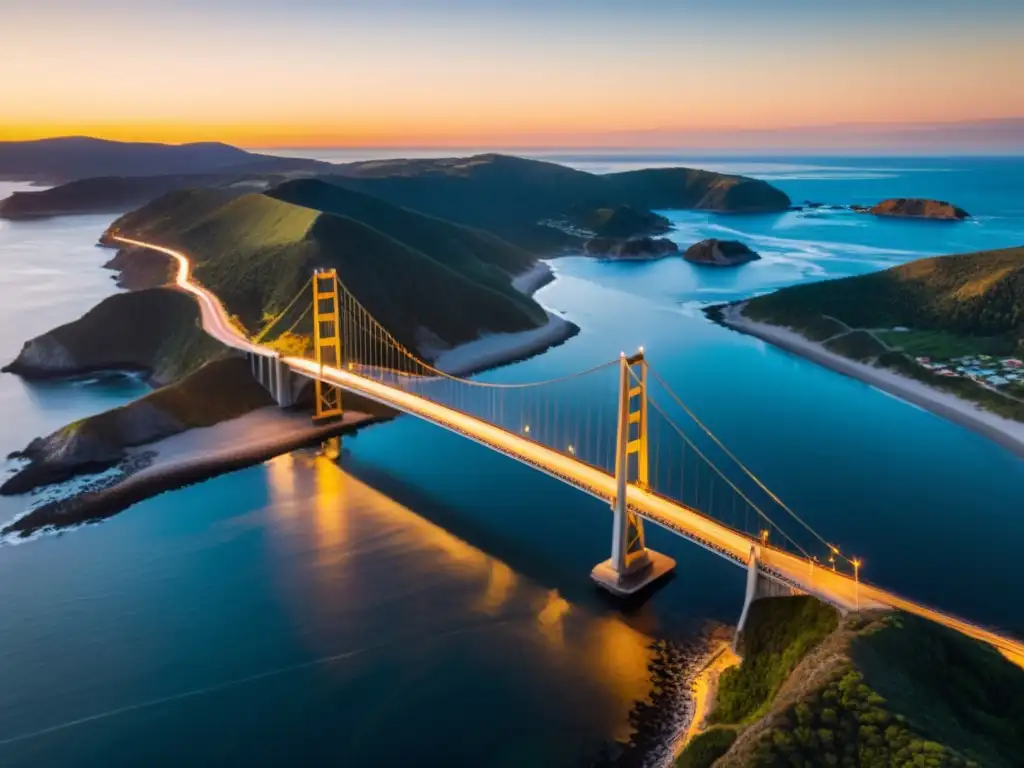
(430, 599)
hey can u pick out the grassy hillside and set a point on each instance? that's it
(509, 195)
(944, 308)
(974, 294)
(779, 633)
(878, 690)
(154, 331)
(421, 277)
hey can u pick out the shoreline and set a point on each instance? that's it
(704, 687)
(175, 462)
(1005, 432)
(497, 350)
(200, 454)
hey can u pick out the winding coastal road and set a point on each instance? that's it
(830, 586)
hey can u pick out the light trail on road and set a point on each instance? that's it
(833, 587)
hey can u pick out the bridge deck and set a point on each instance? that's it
(835, 588)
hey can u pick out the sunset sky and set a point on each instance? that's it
(496, 72)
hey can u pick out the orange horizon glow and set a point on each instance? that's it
(425, 74)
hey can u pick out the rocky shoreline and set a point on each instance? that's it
(661, 721)
(144, 471)
(158, 467)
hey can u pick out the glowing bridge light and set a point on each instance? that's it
(644, 503)
(572, 450)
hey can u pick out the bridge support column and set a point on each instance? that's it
(283, 383)
(759, 585)
(632, 565)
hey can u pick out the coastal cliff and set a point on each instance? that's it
(871, 688)
(217, 391)
(154, 332)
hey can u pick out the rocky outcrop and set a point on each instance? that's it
(90, 445)
(918, 208)
(638, 248)
(720, 253)
(218, 391)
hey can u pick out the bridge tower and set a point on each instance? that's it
(326, 340)
(632, 565)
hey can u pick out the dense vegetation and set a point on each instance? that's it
(778, 634)
(426, 280)
(950, 306)
(509, 195)
(706, 747)
(970, 295)
(912, 693)
(880, 689)
(621, 221)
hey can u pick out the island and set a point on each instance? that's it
(720, 253)
(918, 208)
(944, 333)
(869, 688)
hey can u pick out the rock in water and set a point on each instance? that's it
(720, 253)
(638, 248)
(918, 208)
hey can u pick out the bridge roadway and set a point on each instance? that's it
(830, 586)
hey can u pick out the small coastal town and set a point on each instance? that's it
(1002, 373)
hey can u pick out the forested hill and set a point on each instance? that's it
(974, 294)
(426, 280)
(867, 689)
(509, 195)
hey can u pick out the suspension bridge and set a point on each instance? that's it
(616, 431)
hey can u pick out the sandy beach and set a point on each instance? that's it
(497, 349)
(1007, 432)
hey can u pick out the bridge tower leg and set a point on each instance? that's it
(326, 340)
(632, 565)
(758, 585)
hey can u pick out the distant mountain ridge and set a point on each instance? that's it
(60, 160)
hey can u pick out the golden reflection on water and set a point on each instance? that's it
(600, 652)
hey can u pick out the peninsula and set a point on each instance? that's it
(944, 333)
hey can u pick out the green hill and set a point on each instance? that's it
(945, 308)
(876, 690)
(422, 278)
(155, 332)
(973, 294)
(621, 221)
(510, 195)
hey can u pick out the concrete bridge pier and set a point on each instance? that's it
(759, 585)
(275, 377)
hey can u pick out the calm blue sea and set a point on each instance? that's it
(430, 600)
